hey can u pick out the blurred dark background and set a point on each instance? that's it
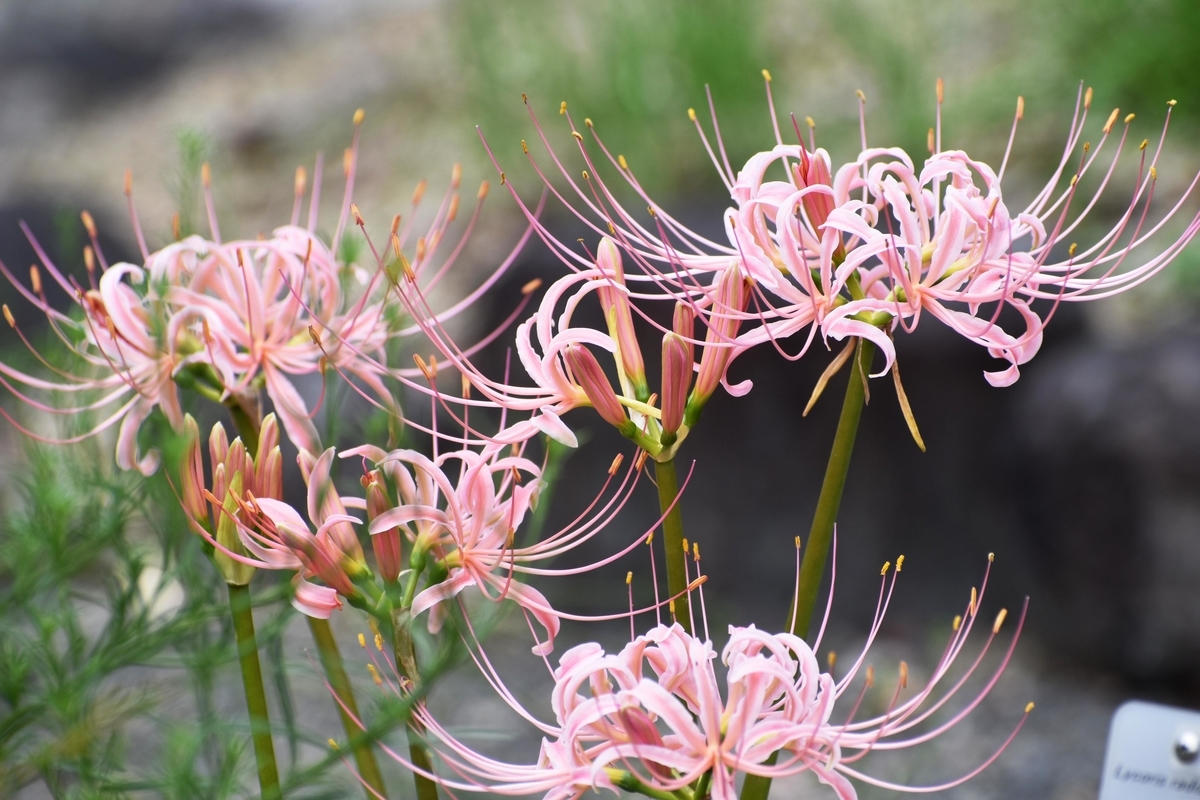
(1082, 478)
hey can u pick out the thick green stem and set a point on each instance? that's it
(820, 535)
(256, 696)
(816, 551)
(668, 490)
(406, 664)
(331, 661)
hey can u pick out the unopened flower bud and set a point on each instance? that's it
(595, 385)
(268, 479)
(268, 436)
(620, 320)
(386, 544)
(192, 472)
(239, 461)
(817, 205)
(723, 323)
(676, 380)
(235, 572)
(218, 445)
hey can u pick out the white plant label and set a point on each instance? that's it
(1153, 753)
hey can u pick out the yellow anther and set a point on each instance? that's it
(362, 641)
(532, 286)
(671, 607)
(886, 566)
(502, 179)
(831, 659)
(870, 676)
(375, 674)
(577, 135)
(621, 160)
(974, 600)
(1087, 98)
(628, 578)
(1129, 118)
(650, 537)
(524, 98)
(957, 622)
(8, 317)
(685, 546)
(315, 335)
(1020, 107)
(616, 464)
(999, 620)
(654, 213)
(1142, 146)
(35, 279)
(333, 745)
(862, 98)
(612, 229)
(766, 75)
(903, 674)
(941, 91)
(899, 563)
(1070, 254)
(301, 179)
(1074, 179)
(797, 542)
(1170, 103)
(809, 121)
(588, 121)
(421, 365)
(991, 557)
(1111, 119)
(692, 114)
(89, 224)
(562, 109)
(359, 116)
(524, 147)
(1153, 174)
(586, 177)
(379, 642)
(358, 220)
(695, 551)
(1086, 147)
(1029, 707)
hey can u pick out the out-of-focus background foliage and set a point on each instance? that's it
(1083, 478)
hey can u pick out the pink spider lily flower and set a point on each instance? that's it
(460, 512)
(557, 354)
(126, 340)
(653, 718)
(231, 318)
(863, 250)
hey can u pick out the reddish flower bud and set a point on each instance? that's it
(386, 544)
(268, 436)
(218, 445)
(620, 320)
(192, 472)
(269, 475)
(595, 385)
(723, 323)
(676, 380)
